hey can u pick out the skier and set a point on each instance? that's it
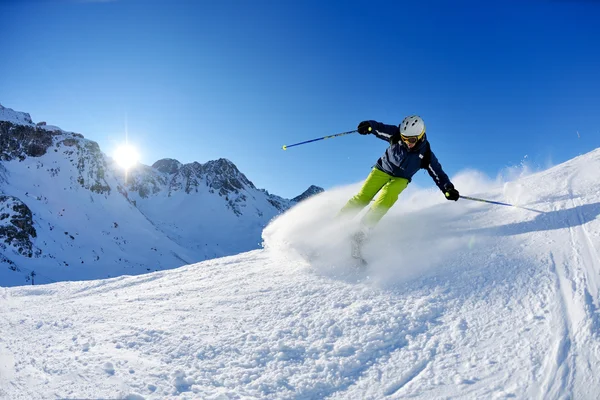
(408, 152)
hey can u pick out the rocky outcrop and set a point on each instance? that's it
(91, 166)
(311, 191)
(20, 141)
(167, 166)
(16, 226)
(223, 176)
(187, 178)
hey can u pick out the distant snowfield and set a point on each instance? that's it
(461, 300)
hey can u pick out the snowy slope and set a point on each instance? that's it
(211, 208)
(461, 301)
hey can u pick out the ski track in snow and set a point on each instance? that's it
(573, 357)
(506, 308)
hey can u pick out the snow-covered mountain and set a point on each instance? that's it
(68, 212)
(461, 300)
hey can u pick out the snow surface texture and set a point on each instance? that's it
(461, 300)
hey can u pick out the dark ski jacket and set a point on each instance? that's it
(401, 162)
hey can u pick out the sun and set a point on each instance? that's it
(126, 156)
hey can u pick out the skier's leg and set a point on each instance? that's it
(386, 199)
(374, 182)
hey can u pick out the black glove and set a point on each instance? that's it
(451, 193)
(364, 128)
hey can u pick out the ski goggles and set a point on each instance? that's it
(411, 139)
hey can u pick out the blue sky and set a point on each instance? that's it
(199, 80)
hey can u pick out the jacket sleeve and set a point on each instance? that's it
(383, 131)
(434, 168)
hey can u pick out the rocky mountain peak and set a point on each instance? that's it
(167, 165)
(311, 191)
(221, 165)
(224, 176)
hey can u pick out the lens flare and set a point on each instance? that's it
(126, 156)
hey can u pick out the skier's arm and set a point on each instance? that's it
(434, 168)
(383, 131)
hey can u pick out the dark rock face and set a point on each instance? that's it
(188, 178)
(92, 167)
(311, 191)
(279, 203)
(16, 225)
(223, 175)
(19, 141)
(167, 166)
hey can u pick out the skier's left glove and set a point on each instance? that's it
(364, 128)
(451, 193)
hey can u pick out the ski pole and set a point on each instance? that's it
(285, 147)
(497, 202)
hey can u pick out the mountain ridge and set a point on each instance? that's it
(190, 211)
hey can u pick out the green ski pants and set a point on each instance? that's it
(377, 181)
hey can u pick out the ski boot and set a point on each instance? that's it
(357, 242)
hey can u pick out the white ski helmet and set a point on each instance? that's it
(412, 127)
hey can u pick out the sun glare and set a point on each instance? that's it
(126, 156)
